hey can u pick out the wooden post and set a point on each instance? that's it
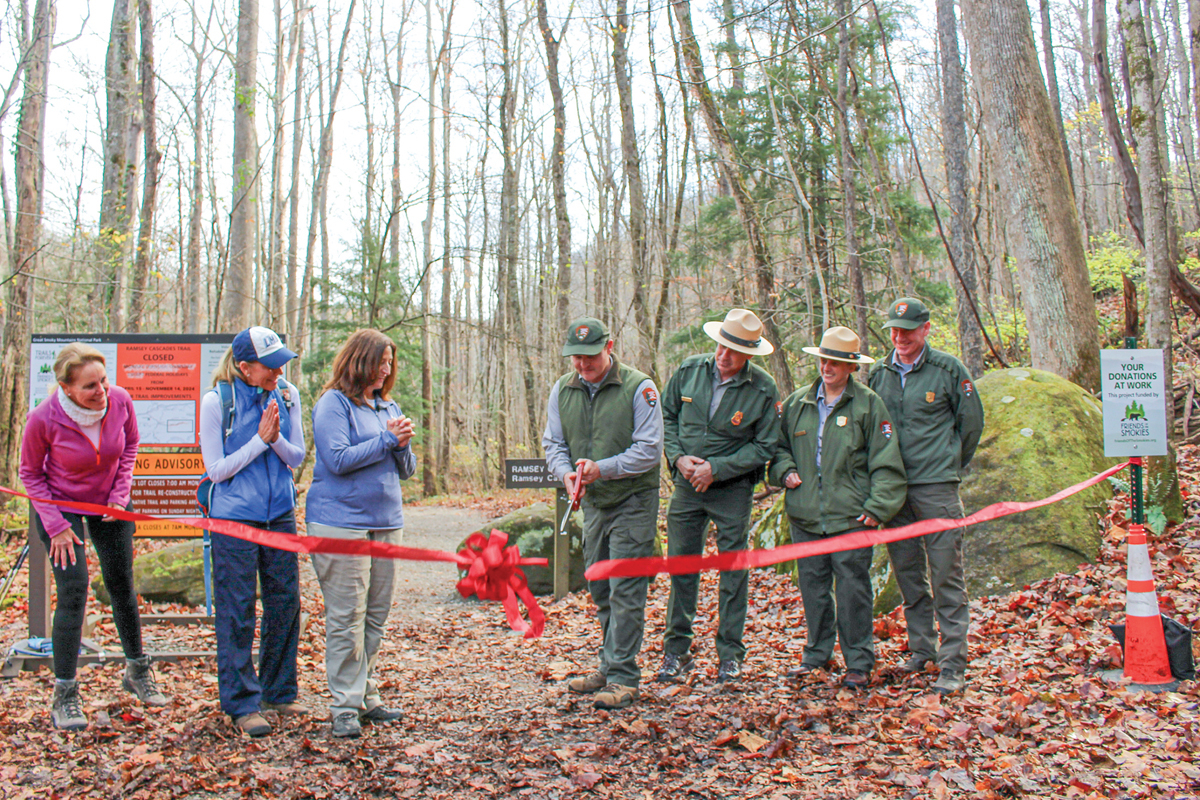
(39, 582)
(562, 547)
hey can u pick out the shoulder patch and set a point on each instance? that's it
(885, 428)
(650, 396)
(779, 409)
(968, 388)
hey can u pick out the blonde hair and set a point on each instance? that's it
(72, 357)
(227, 370)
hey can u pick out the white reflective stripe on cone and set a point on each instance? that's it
(1141, 604)
(1139, 563)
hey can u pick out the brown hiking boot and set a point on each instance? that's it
(616, 696)
(286, 709)
(588, 684)
(252, 724)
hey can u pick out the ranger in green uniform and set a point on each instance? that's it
(939, 419)
(840, 462)
(604, 429)
(720, 421)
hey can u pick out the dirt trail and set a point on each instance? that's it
(424, 588)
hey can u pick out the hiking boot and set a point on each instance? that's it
(286, 709)
(915, 663)
(588, 684)
(674, 667)
(729, 671)
(803, 672)
(856, 679)
(380, 714)
(616, 696)
(139, 680)
(66, 711)
(949, 682)
(347, 726)
(252, 724)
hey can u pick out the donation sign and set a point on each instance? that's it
(1135, 403)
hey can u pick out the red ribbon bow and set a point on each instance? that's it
(493, 573)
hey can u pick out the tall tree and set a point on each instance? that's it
(847, 164)
(954, 144)
(237, 298)
(144, 256)
(118, 200)
(1052, 80)
(558, 157)
(1056, 291)
(27, 234)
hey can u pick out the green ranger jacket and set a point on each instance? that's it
(740, 438)
(861, 469)
(937, 413)
(601, 427)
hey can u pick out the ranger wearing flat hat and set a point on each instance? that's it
(604, 429)
(939, 420)
(721, 420)
(839, 460)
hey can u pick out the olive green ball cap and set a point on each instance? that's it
(908, 313)
(586, 336)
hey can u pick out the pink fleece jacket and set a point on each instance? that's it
(59, 462)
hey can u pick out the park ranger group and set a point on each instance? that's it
(851, 454)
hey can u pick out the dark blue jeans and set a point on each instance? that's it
(236, 565)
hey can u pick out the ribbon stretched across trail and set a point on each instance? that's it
(749, 559)
(492, 565)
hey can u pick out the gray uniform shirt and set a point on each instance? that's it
(643, 454)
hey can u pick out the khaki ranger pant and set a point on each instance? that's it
(625, 530)
(728, 506)
(358, 597)
(929, 571)
(838, 603)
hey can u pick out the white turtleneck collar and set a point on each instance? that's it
(83, 417)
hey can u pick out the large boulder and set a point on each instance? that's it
(532, 529)
(1041, 434)
(174, 574)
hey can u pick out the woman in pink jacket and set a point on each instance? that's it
(80, 444)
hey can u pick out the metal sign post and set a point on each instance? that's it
(532, 473)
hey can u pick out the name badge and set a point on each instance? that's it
(686, 399)
(801, 433)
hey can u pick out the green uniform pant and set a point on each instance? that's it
(846, 578)
(929, 571)
(728, 506)
(625, 530)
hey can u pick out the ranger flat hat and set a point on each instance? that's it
(908, 313)
(586, 336)
(840, 344)
(741, 331)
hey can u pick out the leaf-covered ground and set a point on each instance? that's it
(487, 714)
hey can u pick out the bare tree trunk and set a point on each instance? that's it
(27, 232)
(1108, 108)
(1057, 294)
(141, 267)
(631, 161)
(1052, 83)
(238, 304)
(847, 163)
(447, 272)
(191, 300)
(747, 210)
(119, 191)
(299, 115)
(558, 170)
(1159, 234)
(954, 141)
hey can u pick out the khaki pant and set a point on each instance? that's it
(929, 571)
(358, 597)
(728, 506)
(625, 530)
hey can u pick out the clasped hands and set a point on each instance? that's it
(402, 428)
(695, 471)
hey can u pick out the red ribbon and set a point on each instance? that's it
(498, 574)
(748, 559)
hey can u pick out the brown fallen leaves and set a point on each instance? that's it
(487, 714)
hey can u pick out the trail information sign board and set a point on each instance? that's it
(1135, 403)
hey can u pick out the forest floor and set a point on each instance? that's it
(487, 713)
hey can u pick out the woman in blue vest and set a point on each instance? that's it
(249, 455)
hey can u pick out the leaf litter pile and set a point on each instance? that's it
(487, 713)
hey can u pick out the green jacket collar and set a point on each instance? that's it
(920, 362)
(810, 397)
(742, 376)
(611, 378)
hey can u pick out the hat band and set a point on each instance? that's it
(829, 351)
(740, 341)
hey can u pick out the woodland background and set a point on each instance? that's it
(469, 176)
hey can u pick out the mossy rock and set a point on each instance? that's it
(174, 574)
(532, 530)
(1042, 433)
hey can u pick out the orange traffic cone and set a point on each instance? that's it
(1145, 646)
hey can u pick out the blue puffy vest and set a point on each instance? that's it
(263, 490)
